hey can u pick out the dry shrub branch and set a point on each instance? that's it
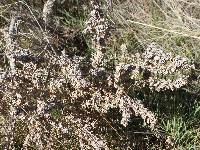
(52, 100)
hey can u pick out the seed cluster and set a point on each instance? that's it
(156, 69)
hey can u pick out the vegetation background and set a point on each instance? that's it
(44, 107)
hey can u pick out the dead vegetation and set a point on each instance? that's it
(63, 85)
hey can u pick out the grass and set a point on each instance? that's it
(186, 137)
(161, 23)
(74, 19)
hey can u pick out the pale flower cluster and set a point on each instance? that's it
(97, 27)
(86, 135)
(48, 10)
(156, 69)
